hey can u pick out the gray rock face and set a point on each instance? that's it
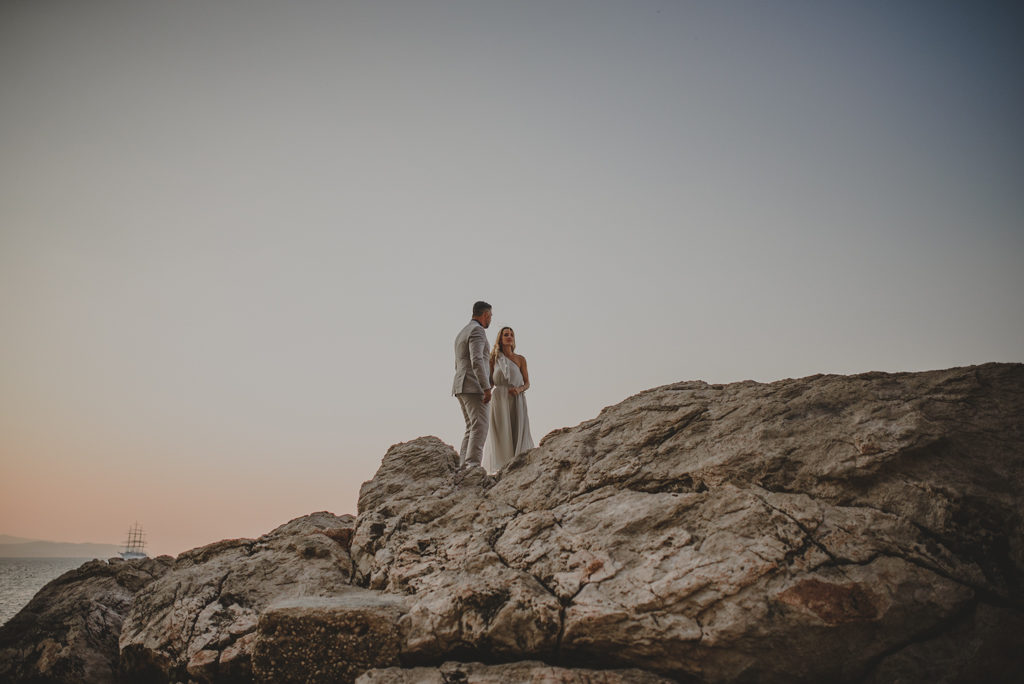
(860, 528)
(68, 632)
(828, 528)
(198, 622)
(433, 537)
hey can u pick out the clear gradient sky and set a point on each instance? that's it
(237, 238)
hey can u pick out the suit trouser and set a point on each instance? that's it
(474, 410)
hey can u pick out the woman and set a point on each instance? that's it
(509, 434)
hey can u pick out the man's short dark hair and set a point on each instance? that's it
(479, 308)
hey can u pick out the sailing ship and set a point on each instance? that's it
(135, 545)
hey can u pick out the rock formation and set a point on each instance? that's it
(824, 529)
(198, 622)
(68, 631)
(333, 639)
(862, 528)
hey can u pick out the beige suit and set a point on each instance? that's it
(472, 379)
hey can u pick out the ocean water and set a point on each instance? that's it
(21, 578)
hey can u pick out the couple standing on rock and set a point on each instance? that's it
(490, 392)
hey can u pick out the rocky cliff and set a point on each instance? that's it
(68, 632)
(860, 528)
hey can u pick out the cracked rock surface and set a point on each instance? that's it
(68, 631)
(830, 528)
(198, 622)
(865, 528)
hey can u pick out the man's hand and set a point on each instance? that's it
(487, 396)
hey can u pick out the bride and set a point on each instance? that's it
(509, 425)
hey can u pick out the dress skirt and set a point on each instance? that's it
(508, 435)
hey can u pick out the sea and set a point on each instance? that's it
(21, 578)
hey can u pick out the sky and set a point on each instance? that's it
(238, 238)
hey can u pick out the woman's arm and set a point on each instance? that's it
(521, 362)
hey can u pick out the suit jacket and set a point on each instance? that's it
(472, 367)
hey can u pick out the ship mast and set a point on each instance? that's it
(136, 542)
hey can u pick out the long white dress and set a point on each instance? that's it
(509, 433)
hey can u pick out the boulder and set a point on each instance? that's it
(69, 631)
(433, 538)
(199, 620)
(829, 528)
(327, 640)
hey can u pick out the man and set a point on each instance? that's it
(472, 386)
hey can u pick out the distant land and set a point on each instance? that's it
(19, 547)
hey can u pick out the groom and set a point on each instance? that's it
(472, 386)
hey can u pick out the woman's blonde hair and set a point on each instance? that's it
(497, 342)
